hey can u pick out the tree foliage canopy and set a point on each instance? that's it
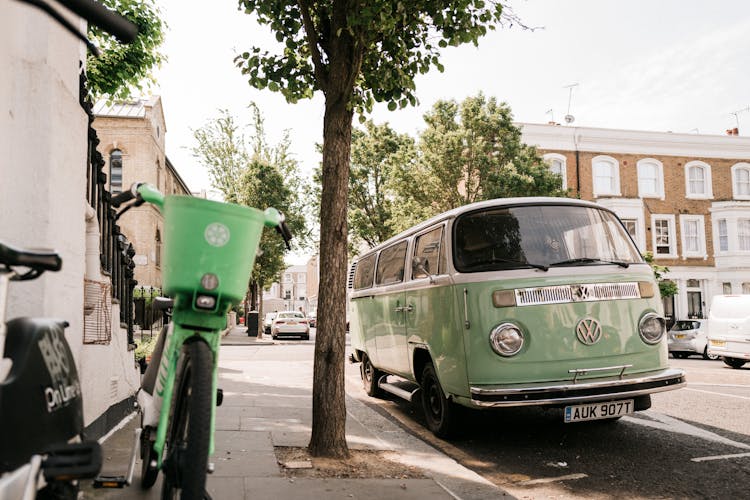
(467, 152)
(377, 151)
(391, 43)
(248, 171)
(122, 69)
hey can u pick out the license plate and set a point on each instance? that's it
(680, 336)
(718, 343)
(291, 322)
(598, 411)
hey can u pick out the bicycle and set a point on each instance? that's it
(208, 253)
(39, 391)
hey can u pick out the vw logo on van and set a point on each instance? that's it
(589, 331)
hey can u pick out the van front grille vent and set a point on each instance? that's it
(588, 292)
(350, 281)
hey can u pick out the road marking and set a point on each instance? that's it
(704, 384)
(670, 424)
(544, 480)
(717, 393)
(720, 457)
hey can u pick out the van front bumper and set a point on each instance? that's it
(581, 391)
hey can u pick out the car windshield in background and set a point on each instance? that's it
(686, 325)
(291, 315)
(540, 236)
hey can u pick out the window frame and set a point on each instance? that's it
(724, 236)
(378, 278)
(736, 168)
(121, 156)
(659, 171)
(441, 259)
(740, 234)
(672, 236)
(615, 184)
(699, 220)
(708, 185)
(563, 166)
(372, 256)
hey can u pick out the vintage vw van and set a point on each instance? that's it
(509, 302)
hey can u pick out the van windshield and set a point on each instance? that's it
(540, 236)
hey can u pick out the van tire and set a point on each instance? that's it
(440, 413)
(734, 362)
(709, 356)
(370, 376)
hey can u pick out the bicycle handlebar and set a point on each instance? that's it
(39, 260)
(125, 196)
(100, 16)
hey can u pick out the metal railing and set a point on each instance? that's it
(116, 252)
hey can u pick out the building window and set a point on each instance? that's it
(557, 164)
(287, 294)
(693, 236)
(650, 179)
(606, 172)
(741, 181)
(663, 235)
(631, 226)
(723, 236)
(743, 234)
(115, 171)
(746, 288)
(157, 249)
(726, 288)
(698, 180)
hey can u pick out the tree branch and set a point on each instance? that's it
(312, 42)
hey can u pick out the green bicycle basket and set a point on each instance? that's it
(203, 236)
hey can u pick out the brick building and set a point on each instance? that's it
(683, 197)
(132, 142)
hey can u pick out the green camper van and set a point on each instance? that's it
(510, 302)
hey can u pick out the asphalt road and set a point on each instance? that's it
(692, 443)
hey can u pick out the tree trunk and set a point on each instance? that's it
(329, 407)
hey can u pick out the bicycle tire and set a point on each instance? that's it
(148, 454)
(186, 457)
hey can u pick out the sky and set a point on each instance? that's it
(666, 65)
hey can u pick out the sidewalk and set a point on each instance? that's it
(267, 403)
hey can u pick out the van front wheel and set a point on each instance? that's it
(370, 377)
(440, 413)
(734, 362)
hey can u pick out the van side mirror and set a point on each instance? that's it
(421, 266)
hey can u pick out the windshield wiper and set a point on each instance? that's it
(590, 260)
(497, 260)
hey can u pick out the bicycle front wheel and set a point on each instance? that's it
(186, 458)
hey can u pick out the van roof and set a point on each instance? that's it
(497, 202)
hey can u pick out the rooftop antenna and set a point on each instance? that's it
(551, 114)
(568, 117)
(736, 115)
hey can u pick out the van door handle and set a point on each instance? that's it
(399, 309)
(408, 308)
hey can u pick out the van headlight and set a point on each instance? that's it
(506, 339)
(651, 328)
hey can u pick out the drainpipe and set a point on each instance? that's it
(93, 268)
(578, 162)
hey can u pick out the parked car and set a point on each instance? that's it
(290, 324)
(313, 320)
(729, 336)
(267, 320)
(690, 336)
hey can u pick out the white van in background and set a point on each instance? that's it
(729, 329)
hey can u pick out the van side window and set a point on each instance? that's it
(364, 272)
(429, 251)
(391, 265)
